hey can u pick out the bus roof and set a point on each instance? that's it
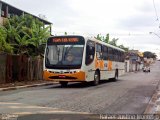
(93, 39)
(96, 40)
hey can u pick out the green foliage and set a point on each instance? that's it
(103, 38)
(26, 34)
(106, 40)
(124, 48)
(4, 46)
(65, 33)
(112, 42)
(149, 54)
(99, 37)
(36, 37)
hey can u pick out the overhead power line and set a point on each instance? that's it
(157, 18)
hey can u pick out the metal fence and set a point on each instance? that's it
(20, 68)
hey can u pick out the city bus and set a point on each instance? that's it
(81, 59)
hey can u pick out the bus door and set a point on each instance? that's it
(99, 63)
(90, 53)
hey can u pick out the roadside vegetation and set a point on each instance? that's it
(148, 54)
(23, 35)
(113, 42)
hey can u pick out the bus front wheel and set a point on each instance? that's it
(63, 83)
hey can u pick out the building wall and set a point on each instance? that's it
(2, 20)
(126, 65)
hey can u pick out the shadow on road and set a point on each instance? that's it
(83, 84)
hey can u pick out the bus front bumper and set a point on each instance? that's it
(78, 76)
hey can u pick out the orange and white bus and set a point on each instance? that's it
(79, 59)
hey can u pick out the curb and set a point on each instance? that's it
(153, 103)
(151, 107)
(26, 86)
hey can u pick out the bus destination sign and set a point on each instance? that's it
(69, 40)
(65, 40)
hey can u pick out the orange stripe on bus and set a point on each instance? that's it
(109, 65)
(99, 64)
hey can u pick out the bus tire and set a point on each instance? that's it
(96, 78)
(116, 76)
(63, 83)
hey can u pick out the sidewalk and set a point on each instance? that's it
(157, 101)
(154, 105)
(24, 84)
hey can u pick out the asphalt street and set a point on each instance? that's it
(129, 95)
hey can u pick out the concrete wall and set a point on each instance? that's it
(126, 65)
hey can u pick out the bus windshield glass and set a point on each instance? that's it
(64, 55)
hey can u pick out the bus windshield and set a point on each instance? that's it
(64, 56)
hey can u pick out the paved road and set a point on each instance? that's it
(130, 94)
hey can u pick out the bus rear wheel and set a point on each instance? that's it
(96, 78)
(63, 83)
(116, 76)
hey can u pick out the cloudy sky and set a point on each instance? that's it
(129, 20)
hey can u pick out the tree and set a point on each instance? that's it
(4, 46)
(36, 37)
(99, 37)
(65, 33)
(114, 41)
(106, 40)
(124, 48)
(103, 38)
(14, 35)
(149, 54)
(26, 34)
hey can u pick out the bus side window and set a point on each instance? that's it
(99, 51)
(90, 51)
(110, 53)
(114, 54)
(105, 53)
(120, 56)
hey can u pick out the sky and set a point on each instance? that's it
(129, 20)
